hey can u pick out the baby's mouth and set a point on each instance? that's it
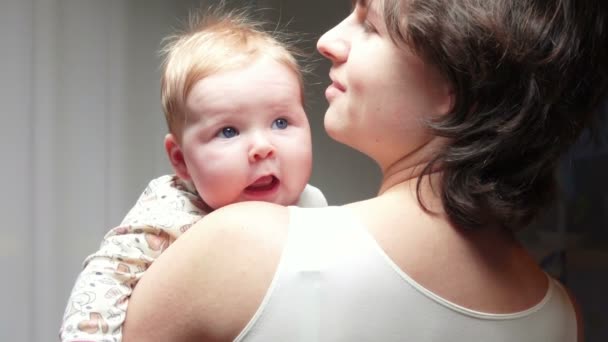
(265, 183)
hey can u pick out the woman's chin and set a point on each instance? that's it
(333, 126)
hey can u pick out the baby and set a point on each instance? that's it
(233, 100)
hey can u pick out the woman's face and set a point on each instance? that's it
(381, 93)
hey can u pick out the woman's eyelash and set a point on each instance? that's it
(369, 27)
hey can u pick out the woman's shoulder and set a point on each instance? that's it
(248, 216)
(243, 233)
(225, 264)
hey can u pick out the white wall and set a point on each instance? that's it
(82, 131)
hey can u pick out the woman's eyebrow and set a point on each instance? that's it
(361, 3)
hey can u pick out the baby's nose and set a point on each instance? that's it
(261, 148)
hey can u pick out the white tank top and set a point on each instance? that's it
(334, 283)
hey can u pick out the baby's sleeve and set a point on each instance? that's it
(97, 305)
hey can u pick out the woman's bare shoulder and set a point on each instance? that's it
(248, 217)
(235, 235)
(224, 265)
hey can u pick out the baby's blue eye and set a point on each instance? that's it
(280, 123)
(228, 132)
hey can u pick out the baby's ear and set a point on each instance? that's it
(176, 157)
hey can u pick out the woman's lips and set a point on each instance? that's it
(332, 91)
(335, 88)
(338, 86)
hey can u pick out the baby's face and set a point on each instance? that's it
(247, 136)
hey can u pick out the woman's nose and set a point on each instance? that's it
(333, 44)
(261, 148)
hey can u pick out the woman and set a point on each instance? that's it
(466, 106)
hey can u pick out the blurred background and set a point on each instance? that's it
(82, 130)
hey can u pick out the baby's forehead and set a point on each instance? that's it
(252, 79)
(251, 65)
(248, 92)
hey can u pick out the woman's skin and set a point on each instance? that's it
(210, 282)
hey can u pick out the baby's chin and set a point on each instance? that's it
(293, 199)
(286, 200)
(291, 202)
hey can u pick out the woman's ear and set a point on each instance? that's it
(176, 157)
(448, 99)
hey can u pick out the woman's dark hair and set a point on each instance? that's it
(527, 75)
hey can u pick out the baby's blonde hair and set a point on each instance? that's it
(215, 41)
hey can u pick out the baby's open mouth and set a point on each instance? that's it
(265, 183)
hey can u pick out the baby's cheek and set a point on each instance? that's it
(223, 186)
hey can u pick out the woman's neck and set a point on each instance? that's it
(409, 167)
(402, 178)
(404, 172)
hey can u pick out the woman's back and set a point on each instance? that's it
(488, 270)
(335, 282)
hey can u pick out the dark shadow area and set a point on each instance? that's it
(571, 239)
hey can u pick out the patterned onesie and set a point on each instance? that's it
(168, 206)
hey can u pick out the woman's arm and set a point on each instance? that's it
(210, 282)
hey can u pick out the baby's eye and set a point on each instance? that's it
(228, 132)
(280, 123)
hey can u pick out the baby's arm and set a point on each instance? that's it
(97, 305)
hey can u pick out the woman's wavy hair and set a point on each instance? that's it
(527, 75)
